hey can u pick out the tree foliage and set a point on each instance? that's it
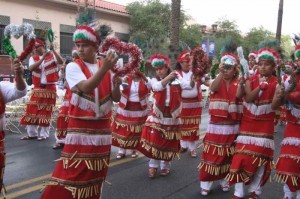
(150, 30)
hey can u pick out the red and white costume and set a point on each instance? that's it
(225, 110)
(161, 132)
(63, 117)
(42, 101)
(131, 115)
(283, 110)
(8, 93)
(190, 113)
(288, 165)
(83, 166)
(251, 163)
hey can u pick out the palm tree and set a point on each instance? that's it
(175, 25)
(279, 21)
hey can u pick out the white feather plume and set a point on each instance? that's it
(243, 62)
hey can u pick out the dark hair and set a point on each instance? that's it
(68, 60)
(178, 66)
(168, 72)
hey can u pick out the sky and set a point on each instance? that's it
(246, 13)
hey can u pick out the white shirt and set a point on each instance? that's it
(157, 86)
(43, 75)
(74, 74)
(189, 93)
(134, 91)
(10, 92)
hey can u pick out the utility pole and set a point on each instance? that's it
(279, 21)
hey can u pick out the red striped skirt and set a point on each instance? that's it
(83, 165)
(160, 137)
(288, 165)
(254, 148)
(127, 126)
(40, 106)
(62, 122)
(191, 119)
(218, 149)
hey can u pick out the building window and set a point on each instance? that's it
(1, 38)
(4, 21)
(66, 44)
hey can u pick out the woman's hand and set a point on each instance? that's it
(221, 67)
(17, 67)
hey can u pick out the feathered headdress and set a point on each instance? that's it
(252, 54)
(244, 64)
(268, 54)
(159, 60)
(85, 31)
(297, 52)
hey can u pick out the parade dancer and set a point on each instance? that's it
(161, 134)
(225, 109)
(44, 67)
(82, 167)
(287, 167)
(9, 92)
(252, 62)
(191, 106)
(251, 163)
(63, 117)
(131, 114)
(288, 70)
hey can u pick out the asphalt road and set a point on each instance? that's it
(29, 163)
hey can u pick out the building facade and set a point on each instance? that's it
(60, 16)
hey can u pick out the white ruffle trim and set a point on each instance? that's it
(177, 112)
(291, 141)
(263, 142)
(48, 63)
(192, 105)
(127, 113)
(295, 112)
(218, 105)
(233, 108)
(258, 110)
(94, 140)
(164, 121)
(36, 74)
(53, 70)
(85, 104)
(223, 129)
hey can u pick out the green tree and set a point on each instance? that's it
(151, 18)
(150, 26)
(191, 35)
(254, 37)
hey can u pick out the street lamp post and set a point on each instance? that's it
(208, 34)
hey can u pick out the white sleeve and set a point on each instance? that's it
(10, 92)
(112, 75)
(148, 83)
(156, 85)
(74, 75)
(31, 61)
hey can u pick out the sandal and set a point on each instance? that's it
(27, 137)
(42, 138)
(204, 192)
(120, 155)
(58, 146)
